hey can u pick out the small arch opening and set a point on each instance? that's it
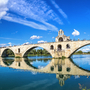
(68, 46)
(59, 68)
(52, 68)
(19, 64)
(18, 50)
(60, 39)
(68, 69)
(51, 47)
(59, 47)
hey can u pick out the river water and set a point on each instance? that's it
(44, 73)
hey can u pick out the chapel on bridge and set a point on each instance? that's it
(61, 37)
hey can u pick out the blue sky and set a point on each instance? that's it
(34, 21)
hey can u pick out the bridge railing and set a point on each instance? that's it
(43, 43)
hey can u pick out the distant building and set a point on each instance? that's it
(61, 37)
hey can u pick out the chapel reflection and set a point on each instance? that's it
(62, 78)
(58, 66)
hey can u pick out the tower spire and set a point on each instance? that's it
(61, 32)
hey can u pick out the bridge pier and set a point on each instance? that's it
(18, 55)
(58, 54)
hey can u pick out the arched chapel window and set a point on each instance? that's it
(60, 39)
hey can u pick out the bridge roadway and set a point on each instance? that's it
(56, 66)
(56, 49)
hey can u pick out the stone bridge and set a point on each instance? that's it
(56, 49)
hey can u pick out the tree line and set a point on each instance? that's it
(38, 52)
(81, 52)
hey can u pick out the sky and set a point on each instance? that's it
(38, 21)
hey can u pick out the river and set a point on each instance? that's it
(44, 73)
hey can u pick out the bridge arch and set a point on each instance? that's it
(75, 49)
(30, 48)
(4, 54)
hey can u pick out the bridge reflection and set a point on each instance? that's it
(62, 68)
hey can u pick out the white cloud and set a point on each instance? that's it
(40, 67)
(52, 37)
(76, 33)
(85, 48)
(31, 62)
(46, 26)
(59, 9)
(36, 10)
(3, 8)
(77, 76)
(35, 37)
(34, 73)
(26, 43)
(25, 22)
(2, 45)
(10, 44)
(41, 41)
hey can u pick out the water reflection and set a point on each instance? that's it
(38, 63)
(8, 61)
(62, 78)
(82, 61)
(63, 69)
